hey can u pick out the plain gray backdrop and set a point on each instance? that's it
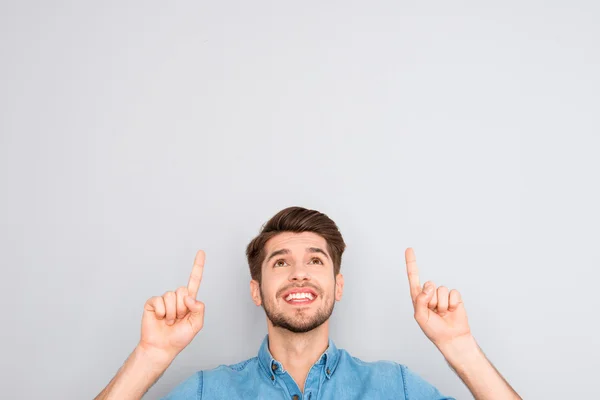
(135, 133)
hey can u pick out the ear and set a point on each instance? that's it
(255, 292)
(339, 287)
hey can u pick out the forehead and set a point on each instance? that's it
(295, 242)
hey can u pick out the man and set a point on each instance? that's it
(295, 268)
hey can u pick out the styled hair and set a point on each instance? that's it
(296, 219)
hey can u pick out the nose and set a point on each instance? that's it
(299, 273)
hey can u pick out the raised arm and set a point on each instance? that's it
(169, 323)
(443, 318)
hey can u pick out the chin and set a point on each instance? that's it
(296, 327)
(298, 321)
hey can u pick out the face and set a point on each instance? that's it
(298, 288)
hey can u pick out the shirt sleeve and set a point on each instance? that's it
(417, 388)
(190, 389)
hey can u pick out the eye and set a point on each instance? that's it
(277, 263)
(318, 259)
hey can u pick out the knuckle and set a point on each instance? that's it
(156, 300)
(169, 295)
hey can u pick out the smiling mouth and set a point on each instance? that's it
(300, 298)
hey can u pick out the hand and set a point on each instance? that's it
(171, 321)
(441, 315)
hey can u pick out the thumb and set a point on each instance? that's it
(196, 315)
(421, 303)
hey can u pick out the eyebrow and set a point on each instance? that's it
(287, 251)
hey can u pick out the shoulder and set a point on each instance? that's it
(239, 369)
(381, 367)
(354, 372)
(415, 387)
(193, 387)
(390, 374)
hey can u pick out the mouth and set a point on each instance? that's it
(300, 296)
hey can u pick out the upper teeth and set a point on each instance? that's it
(299, 296)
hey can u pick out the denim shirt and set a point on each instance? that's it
(335, 375)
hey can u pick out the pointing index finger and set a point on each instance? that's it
(412, 272)
(196, 275)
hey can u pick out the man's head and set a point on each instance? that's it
(295, 266)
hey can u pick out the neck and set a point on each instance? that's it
(298, 352)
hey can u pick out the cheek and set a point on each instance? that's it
(269, 289)
(328, 287)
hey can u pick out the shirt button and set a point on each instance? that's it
(274, 367)
(272, 378)
(295, 397)
(328, 371)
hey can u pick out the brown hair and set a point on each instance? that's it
(296, 219)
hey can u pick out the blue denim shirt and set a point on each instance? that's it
(335, 375)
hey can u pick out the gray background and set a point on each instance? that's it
(134, 134)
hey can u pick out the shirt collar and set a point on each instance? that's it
(272, 367)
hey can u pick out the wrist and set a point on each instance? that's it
(160, 359)
(461, 348)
